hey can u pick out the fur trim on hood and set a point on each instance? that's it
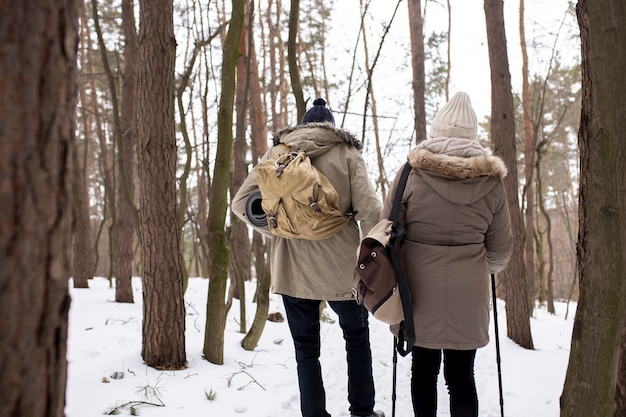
(344, 135)
(458, 157)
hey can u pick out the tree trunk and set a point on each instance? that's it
(37, 110)
(283, 85)
(273, 38)
(258, 127)
(503, 136)
(124, 235)
(529, 151)
(292, 58)
(416, 31)
(83, 249)
(95, 129)
(117, 142)
(82, 246)
(163, 303)
(218, 251)
(545, 276)
(258, 118)
(104, 166)
(240, 241)
(251, 339)
(591, 378)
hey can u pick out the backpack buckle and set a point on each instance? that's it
(314, 206)
(272, 219)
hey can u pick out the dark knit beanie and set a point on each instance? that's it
(318, 113)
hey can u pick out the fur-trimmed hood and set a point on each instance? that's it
(315, 138)
(458, 157)
(458, 169)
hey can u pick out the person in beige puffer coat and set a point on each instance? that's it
(458, 231)
(305, 272)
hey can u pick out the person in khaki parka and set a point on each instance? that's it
(458, 231)
(305, 272)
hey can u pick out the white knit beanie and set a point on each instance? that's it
(455, 120)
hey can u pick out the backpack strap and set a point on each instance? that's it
(406, 170)
(406, 333)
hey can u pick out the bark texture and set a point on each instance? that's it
(124, 230)
(37, 105)
(591, 378)
(416, 29)
(217, 246)
(163, 303)
(503, 136)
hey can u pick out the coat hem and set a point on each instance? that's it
(453, 346)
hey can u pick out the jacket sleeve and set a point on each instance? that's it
(240, 200)
(499, 239)
(364, 199)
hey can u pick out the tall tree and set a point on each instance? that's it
(528, 194)
(258, 131)
(544, 232)
(292, 58)
(416, 30)
(116, 133)
(126, 213)
(37, 106)
(591, 378)
(218, 197)
(503, 136)
(83, 252)
(239, 240)
(163, 303)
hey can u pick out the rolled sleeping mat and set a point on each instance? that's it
(254, 211)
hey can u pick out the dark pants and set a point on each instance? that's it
(458, 371)
(304, 323)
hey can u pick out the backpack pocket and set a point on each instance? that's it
(312, 208)
(278, 221)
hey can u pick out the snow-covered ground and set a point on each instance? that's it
(106, 369)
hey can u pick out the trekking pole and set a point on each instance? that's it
(393, 384)
(495, 319)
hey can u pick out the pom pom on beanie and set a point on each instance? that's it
(318, 113)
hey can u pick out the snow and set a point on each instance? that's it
(106, 369)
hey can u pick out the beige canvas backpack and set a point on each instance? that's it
(298, 200)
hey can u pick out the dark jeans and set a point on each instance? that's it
(304, 323)
(458, 371)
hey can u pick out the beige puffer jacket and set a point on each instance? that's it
(321, 270)
(457, 232)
